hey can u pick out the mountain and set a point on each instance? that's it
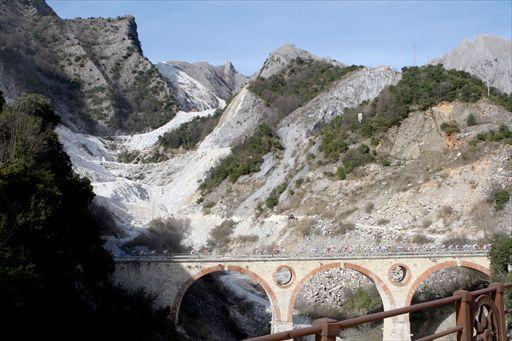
(487, 57)
(279, 58)
(224, 81)
(189, 92)
(320, 153)
(93, 70)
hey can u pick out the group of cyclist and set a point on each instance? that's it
(333, 251)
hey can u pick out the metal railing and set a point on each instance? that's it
(480, 315)
(177, 257)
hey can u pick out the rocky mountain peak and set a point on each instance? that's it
(279, 58)
(92, 69)
(487, 57)
(30, 7)
(224, 81)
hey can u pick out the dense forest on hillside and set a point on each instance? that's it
(53, 269)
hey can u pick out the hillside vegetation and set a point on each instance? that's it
(53, 268)
(298, 83)
(419, 89)
(246, 158)
(189, 134)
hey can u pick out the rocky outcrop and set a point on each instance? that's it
(329, 288)
(487, 57)
(223, 81)
(189, 92)
(92, 69)
(279, 58)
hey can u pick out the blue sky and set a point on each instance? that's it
(364, 32)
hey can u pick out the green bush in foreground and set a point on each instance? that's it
(500, 256)
(246, 158)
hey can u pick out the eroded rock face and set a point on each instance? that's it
(421, 132)
(190, 93)
(92, 69)
(223, 81)
(487, 57)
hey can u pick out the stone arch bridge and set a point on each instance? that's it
(396, 276)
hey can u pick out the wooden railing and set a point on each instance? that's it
(480, 315)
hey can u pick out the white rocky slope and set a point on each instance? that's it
(138, 193)
(429, 172)
(487, 57)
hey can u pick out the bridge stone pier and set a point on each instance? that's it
(396, 277)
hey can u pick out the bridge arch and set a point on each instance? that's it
(448, 264)
(276, 314)
(385, 293)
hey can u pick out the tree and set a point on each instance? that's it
(53, 268)
(2, 101)
(500, 256)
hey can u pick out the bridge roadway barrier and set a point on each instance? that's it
(396, 275)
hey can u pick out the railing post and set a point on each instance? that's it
(329, 329)
(498, 302)
(464, 315)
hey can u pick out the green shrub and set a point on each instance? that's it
(357, 157)
(341, 173)
(500, 256)
(450, 128)
(189, 134)
(362, 301)
(245, 158)
(127, 156)
(272, 201)
(503, 135)
(471, 120)
(501, 197)
(298, 83)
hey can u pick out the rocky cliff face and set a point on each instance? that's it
(223, 81)
(189, 92)
(487, 57)
(92, 69)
